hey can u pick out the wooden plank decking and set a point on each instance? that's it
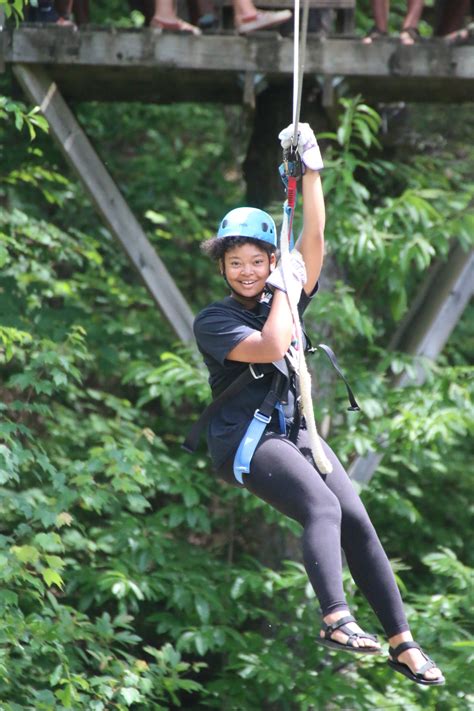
(146, 65)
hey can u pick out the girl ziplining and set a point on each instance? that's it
(257, 436)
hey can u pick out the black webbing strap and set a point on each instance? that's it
(273, 395)
(253, 372)
(330, 354)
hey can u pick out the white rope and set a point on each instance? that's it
(298, 66)
(296, 69)
(303, 374)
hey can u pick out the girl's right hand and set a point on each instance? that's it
(293, 279)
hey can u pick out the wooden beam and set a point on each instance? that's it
(148, 65)
(265, 52)
(436, 309)
(432, 318)
(104, 193)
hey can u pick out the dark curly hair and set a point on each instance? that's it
(217, 247)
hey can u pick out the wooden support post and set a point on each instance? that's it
(348, 22)
(249, 90)
(329, 98)
(108, 200)
(424, 332)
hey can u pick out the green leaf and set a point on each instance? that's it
(398, 304)
(56, 675)
(26, 554)
(156, 217)
(52, 577)
(50, 542)
(130, 695)
(202, 607)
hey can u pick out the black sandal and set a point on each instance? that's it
(412, 33)
(457, 37)
(419, 676)
(348, 646)
(373, 35)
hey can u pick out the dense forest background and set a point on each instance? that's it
(132, 578)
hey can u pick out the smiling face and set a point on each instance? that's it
(246, 269)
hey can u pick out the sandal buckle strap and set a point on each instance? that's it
(430, 664)
(402, 647)
(329, 629)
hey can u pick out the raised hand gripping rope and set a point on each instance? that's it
(292, 169)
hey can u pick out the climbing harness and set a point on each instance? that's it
(280, 383)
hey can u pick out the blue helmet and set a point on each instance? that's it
(249, 222)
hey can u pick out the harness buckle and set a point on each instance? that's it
(254, 374)
(263, 418)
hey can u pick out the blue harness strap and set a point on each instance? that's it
(261, 418)
(249, 443)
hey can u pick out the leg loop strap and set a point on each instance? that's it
(249, 443)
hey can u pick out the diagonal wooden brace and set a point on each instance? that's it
(106, 196)
(432, 318)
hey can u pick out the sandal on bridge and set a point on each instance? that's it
(174, 25)
(348, 645)
(418, 676)
(373, 35)
(262, 20)
(461, 36)
(409, 36)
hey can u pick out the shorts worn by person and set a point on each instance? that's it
(252, 326)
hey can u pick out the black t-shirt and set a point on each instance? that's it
(218, 329)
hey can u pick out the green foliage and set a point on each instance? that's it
(13, 8)
(22, 118)
(387, 245)
(130, 577)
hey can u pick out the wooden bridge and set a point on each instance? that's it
(147, 65)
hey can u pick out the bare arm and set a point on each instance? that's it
(311, 241)
(273, 341)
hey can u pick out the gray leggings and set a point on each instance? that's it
(332, 516)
